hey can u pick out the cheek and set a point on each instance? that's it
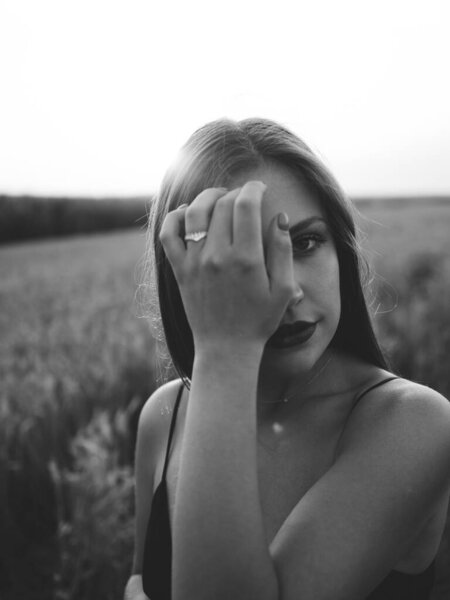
(326, 274)
(334, 278)
(327, 284)
(320, 280)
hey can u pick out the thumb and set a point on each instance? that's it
(279, 261)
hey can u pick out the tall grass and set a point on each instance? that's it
(410, 251)
(76, 366)
(409, 248)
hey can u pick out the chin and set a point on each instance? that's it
(294, 359)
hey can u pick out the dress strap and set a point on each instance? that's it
(358, 398)
(372, 387)
(172, 428)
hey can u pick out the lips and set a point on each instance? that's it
(292, 334)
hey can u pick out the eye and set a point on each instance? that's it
(307, 244)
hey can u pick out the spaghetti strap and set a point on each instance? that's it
(372, 387)
(172, 427)
(358, 398)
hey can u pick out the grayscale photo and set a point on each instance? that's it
(224, 300)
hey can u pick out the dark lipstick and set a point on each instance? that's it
(292, 334)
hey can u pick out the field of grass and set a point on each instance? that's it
(409, 248)
(76, 365)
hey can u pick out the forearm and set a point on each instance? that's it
(220, 548)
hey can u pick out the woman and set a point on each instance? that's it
(293, 463)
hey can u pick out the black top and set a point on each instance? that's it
(157, 561)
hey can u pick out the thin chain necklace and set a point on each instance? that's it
(285, 399)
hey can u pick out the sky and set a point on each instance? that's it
(97, 96)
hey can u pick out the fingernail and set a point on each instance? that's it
(182, 206)
(283, 221)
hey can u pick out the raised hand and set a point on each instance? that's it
(231, 292)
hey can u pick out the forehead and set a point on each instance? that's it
(285, 192)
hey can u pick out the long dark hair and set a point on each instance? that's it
(212, 156)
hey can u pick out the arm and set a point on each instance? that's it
(220, 548)
(355, 524)
(344, 536)
(234, 302)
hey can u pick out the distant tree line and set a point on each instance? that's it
(32, 217)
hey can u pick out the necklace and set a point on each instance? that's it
(285, 399)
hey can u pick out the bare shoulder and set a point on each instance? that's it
(155, 417)
(387, 483)
(409, 402)
(160, 404)
(408, 421)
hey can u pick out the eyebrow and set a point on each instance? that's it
(301, 225)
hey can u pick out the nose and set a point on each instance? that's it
(297, 296)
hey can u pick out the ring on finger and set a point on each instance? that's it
(195, 236)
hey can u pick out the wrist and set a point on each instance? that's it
(249, 352)
(218, 363)
(226, 379)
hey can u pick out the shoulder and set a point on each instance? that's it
(387, 481)
(160, 404)
(155, 418)
(408, 422)
(401, 400)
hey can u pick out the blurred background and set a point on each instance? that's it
(97, 97)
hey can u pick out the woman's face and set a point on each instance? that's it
(316, 268)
